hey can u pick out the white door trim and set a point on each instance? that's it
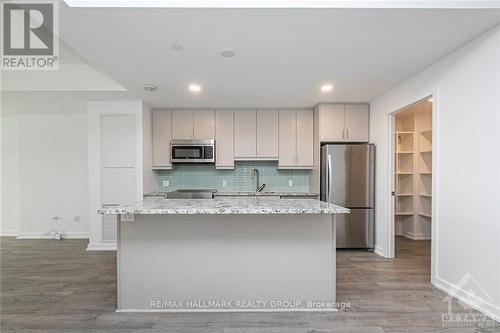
(390, 253)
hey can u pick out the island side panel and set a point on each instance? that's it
(171, 257)
(225, 257)
(280, 257)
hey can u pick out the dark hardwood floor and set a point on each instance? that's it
(57, 286)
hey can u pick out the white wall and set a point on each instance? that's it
(52, 174)
(44, 173)
(466, 89)
(9, 225)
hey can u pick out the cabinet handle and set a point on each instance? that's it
(347, 131)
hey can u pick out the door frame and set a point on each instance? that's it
(391, 118)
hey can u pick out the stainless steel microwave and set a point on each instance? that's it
(192, 151)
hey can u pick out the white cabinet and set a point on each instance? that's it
(357, 122)
(118, 140)
(224, 139)
(295, 139)
(117, 165)
(267, 134)
(344, 122)
(162, 133)
(189, 124)
(203, 124)
(245, 133)
(331, 123)
(182, 124)
(256, 134)
(287, 138)
(305, 138)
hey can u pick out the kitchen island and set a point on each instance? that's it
(226, 254)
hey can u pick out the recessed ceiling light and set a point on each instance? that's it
(149, 87)
(227, 53)
(326, 88)
(195, 87)
(176, 47)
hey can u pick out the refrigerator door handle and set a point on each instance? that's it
(329, 172)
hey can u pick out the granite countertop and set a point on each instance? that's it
(266, 194)
(248, 194)
(229, 205)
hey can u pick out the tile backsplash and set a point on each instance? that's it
(239, 179)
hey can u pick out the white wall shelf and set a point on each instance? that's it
(413, 157)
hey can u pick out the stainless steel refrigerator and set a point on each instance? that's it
(347, 179)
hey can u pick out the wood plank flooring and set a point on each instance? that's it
(57, 286)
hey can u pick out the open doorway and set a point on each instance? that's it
(412, 188)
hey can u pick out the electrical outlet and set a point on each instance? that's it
(224, 183)
(76, 219)
(290, 183)
(166, 183)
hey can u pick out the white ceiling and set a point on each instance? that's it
(282, 58)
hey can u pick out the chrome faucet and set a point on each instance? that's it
(258, 187)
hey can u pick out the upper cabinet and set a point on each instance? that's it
(224, 139)
(305, 138)
(162, 125)
(267, 134)
(204, 124)
(286, 135)
(182, 124)
(245, 133)
(331, 122)
(197, 124)
(357, 125)
(343, 122)
(256, 134)
(295, 139)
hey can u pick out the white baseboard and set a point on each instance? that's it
(9, 232)
(44, 235)
(101, 247)
(470, 299)
(380, 251)
(414, 236)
